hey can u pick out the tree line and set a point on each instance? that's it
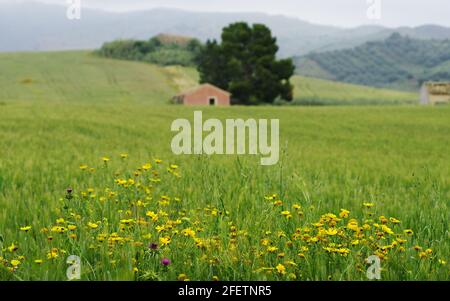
(154, 50)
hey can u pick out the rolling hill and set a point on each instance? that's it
(397, 62)
(20, 23)
(80, 76)
(313, 91)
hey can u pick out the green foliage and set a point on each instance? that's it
(396, 61)
(245, 64)
(161, 50)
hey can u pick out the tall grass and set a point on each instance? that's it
(333, 158)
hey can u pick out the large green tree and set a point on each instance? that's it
(245, 64)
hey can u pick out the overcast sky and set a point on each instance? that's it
(345, 13)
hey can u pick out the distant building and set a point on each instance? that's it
(435, 93)
(204, 95)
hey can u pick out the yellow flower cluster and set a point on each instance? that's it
(140, 222)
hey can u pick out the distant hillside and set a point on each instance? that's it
(25, 27)
(397, 62)
(79, 76)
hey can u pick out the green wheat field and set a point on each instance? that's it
(86, 169)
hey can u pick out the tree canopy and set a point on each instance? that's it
(245, 64)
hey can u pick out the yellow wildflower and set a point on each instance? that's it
(401, 241)
(152, 215)
(353, 225)
(164, 241)
(386, 229)
(272, 249)
(53, 254)
(278, 203)
(199, 242)
(265, 242)
(188, 232)
(146, 166)
(15, 263)
(13, 248)
(92, 225)
(127, 221)
(343, 251)
(344, 213)
(281, 269)
(58, 229)
(101, 237)
(383, 220)
(286, 214)
(394, 220)
(304, 249)
(331, 231)
(408, 232)
(25, 229)
(355, 242)
(270, 197)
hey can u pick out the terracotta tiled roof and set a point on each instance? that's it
(193, 90)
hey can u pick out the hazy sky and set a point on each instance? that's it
(336, 12)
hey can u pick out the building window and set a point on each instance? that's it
(212, 101)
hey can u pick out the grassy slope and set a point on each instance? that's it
(323, 92)
(80, 76)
